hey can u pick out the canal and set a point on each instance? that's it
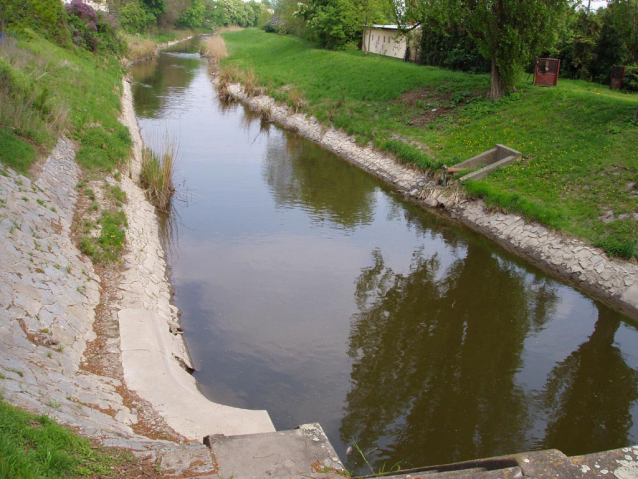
(313, 290)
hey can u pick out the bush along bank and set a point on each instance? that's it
(578, 174)
(573, 259)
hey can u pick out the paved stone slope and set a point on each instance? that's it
(590, 267)
(571, 257)
(48, 295)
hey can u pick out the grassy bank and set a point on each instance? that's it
(578, 140)
(46, 90)
(35, 446)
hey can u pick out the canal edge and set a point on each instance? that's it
(613, 281)
(155, 357)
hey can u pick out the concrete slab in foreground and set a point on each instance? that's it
(549, 464)
(301, 452)
(150, 371)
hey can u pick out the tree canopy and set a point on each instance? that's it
(508, 33)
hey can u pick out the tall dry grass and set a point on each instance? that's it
(25, 105)
(295, 99)
(229, 28)
(156, 176)
(227, 74)
(214, 48)
(139, 48)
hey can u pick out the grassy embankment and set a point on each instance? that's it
(35, 446)
(46, 91)
(578, 139)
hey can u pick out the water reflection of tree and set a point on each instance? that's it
(155, 77)
(303, 174)
(589, 395)
(434, 360)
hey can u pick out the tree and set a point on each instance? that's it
(625, 13)
(508, 33)
(133, 18)
(193, 17)
(234, 12)
(155, 7)
(339, 22)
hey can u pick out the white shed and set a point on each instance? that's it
(384, 40)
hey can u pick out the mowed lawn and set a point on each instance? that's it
(579, 142)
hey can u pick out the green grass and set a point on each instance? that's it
(46, 90)
(15, 152)
(35, 446)
(578, 138)
(107, 246)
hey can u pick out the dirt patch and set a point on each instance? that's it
(428, 104)
(103, 355)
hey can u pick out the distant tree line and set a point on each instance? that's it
(97, 31)
(137, 16)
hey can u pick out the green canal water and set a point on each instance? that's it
(312, 290)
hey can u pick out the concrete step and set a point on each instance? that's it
(301, 452)
(472, 473)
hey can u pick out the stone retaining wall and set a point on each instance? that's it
(570, 258)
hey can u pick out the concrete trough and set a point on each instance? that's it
(497, 157)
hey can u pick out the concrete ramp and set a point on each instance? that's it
(151, 370)
(301, 452)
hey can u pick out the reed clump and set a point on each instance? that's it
(265, 111)
(295, 99)
(248, 79)
(227, 76)
(229, 28)
(156, 176)
(214, 48)
(139, 48)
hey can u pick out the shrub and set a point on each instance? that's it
(193, 16)
(93, 31)
(631, 78)
(273, 25)
(134, 19)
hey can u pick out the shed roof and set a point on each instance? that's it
(384, 27)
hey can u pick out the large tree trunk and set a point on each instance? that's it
(636, 114)
(496, 84)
